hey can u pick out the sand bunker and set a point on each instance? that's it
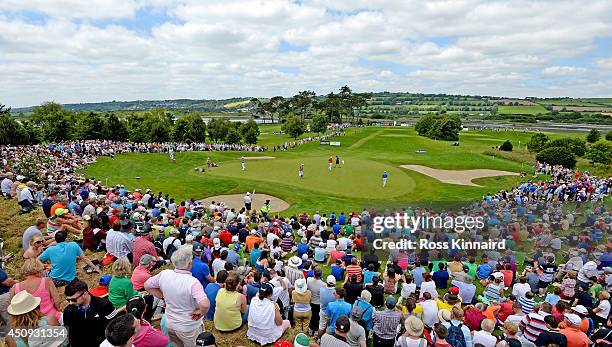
(237, 201)
(463, 177)
(257, 158)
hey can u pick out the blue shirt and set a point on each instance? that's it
(255, 254)
(63, 260)
(483, 271)
(368, 275)
(302, 249)
(200, 270)
(342, 219)
(3, 277)
(440, 277)
(327, 295)
(319, 254)
(336, 309)
(417, 275)
(336, 228)
(367, 311)
(337, 272)
(211, 291)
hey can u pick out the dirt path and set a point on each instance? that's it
(237, 201)
(463, 177)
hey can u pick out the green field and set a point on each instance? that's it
(367, 152)
(527, 110)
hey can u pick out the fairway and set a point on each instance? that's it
(366, 152)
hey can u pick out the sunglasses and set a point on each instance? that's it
(75, 299)
(38, 241)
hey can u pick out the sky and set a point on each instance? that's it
(72, 51)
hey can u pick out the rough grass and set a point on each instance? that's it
(527, 110)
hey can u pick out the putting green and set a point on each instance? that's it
(359, 178)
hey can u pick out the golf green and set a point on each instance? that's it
(366, 153)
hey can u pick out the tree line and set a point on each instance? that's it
(344, 106)
(564, 151)
(49, 122)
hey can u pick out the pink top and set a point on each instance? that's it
(149, 336)
(47, 306)
(139, 277)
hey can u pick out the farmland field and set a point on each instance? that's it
(526, 110)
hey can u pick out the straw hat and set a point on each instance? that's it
(414, 326)
(295, 262)
(23, 302)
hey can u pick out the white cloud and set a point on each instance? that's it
(563, 70)
(215, 49)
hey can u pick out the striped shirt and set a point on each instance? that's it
(328, 340)
(526, 304)
(386, 323)
(118, 243)
(492, 292)
(533, 325)
(314, 242)
(354, 269)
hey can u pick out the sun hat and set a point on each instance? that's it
(330, 280)
(580, 309)
(216, 242)
(300, 286)
(343, 324)
(573, 319)
(414, 326)
(23, 302)
(60, 212)
(444, 315)
(295, 262)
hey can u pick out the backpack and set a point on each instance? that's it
(404, 343)
(361, 321)
(455, 336)
(170, 249)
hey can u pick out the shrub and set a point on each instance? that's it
(537, 142)
(593, 136)
(600, 152)
(574, 144)
(609, 135)
(506, 146)
(557, 156)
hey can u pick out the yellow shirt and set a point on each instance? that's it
(227, 313)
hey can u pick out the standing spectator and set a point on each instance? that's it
(533, 324)
(315, 284)
(414, 330)
(86, 316)
(385, 324)
(302, 313)
(458, 333)
(337, 339)
(553, 335)
(184, 296)
(337, 308)
(356, 336)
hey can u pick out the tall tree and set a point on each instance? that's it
(593, 136)
(189, 128)
(56, 123)
(319, 123)
(294, 126)
(90, 126)
(232, 136)
(115, 129)
(249, 132)
(218, 128)
(302, 101)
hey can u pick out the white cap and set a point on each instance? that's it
(330, 280)
(573, 319)
(580, 309)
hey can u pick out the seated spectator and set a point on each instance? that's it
(377, 291)
(441, 277)
(121, 288)
(121, 331)
(35, 248)
(485, 336)
(142, 272)
(63, 256)
(25, 313)
(265, 323)
(40, 287)
(230, 305)
(553, 335)
(337, 270)
(414, 330)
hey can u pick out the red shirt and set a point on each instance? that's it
(143, 246)
(507, 277)
(335, 255)
(181, 211)
(354, 269)
(226, 237)
(505, 310)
